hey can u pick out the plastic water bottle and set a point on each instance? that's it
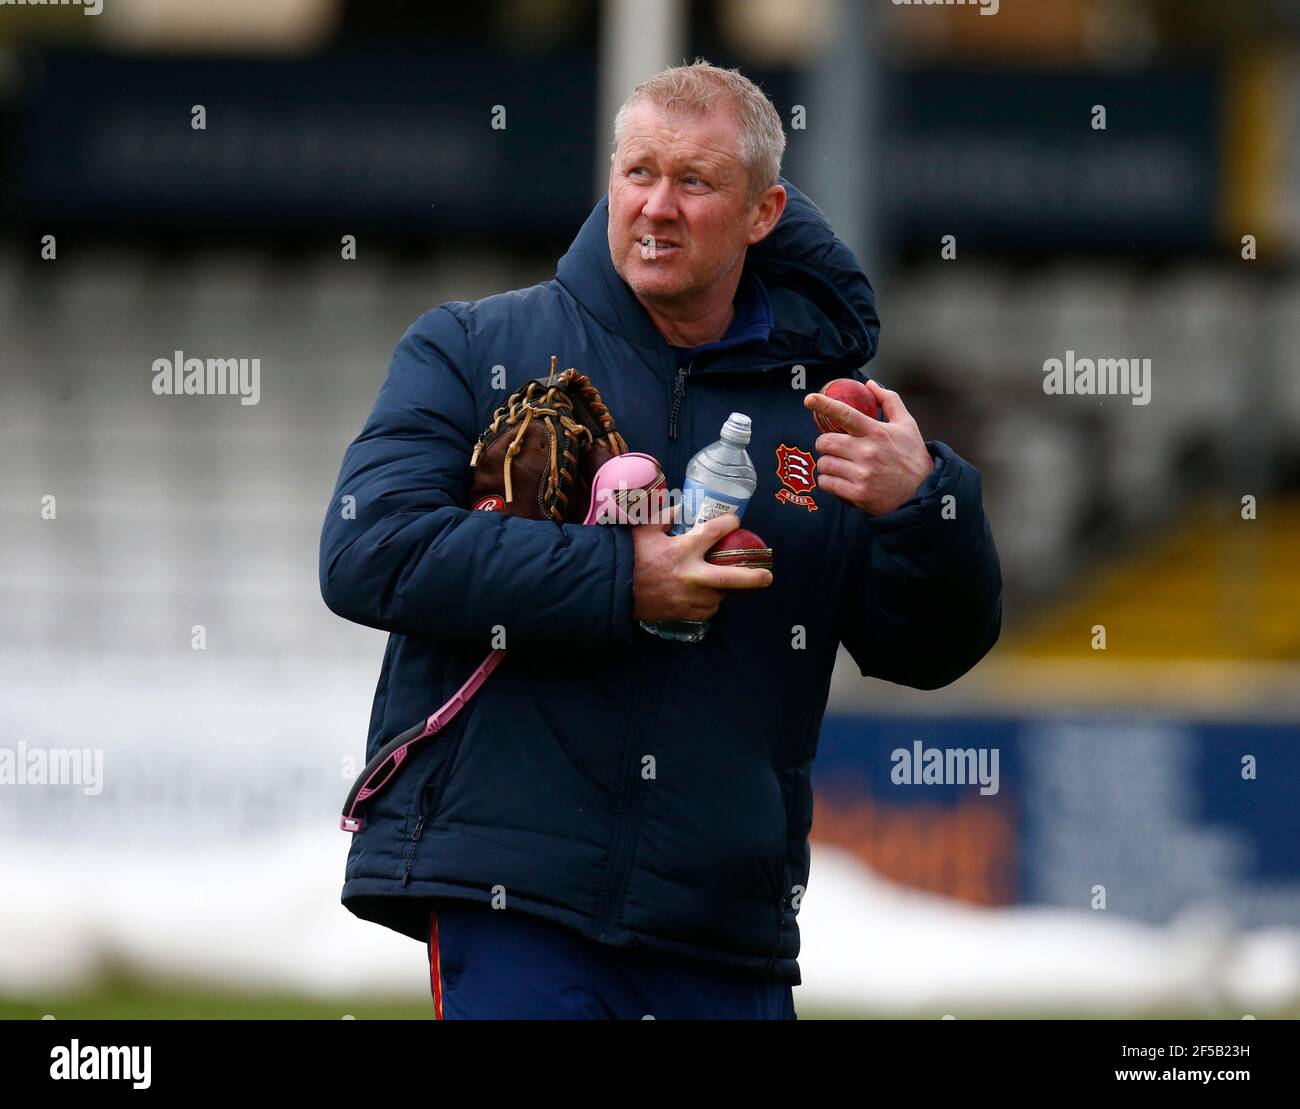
(719, 479)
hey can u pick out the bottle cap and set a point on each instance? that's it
(737, 429)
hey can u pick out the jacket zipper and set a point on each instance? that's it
(679, 391)
(623, 803)
(780, 916)
(626, 803)
(416, 833)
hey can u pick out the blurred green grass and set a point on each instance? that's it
(122, 996)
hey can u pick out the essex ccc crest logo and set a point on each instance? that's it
(795, 469)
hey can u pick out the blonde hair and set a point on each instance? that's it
(693, 90)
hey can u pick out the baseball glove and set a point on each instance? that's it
(539, 455)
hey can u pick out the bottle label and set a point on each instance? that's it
(701, 503)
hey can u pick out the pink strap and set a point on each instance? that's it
(461, 697)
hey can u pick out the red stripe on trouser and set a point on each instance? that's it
(435, 965)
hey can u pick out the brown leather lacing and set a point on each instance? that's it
(545, 397)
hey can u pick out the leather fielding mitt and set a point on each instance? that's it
(539, 455)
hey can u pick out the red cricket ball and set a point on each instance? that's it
(740, 548)
(853, 393)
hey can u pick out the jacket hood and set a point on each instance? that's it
(823, 306)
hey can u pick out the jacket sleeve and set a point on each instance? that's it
(926, 587)
(399, 552)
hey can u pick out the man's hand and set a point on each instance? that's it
(671, 580)
(877, 466)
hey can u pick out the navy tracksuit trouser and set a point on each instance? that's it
(487, 963)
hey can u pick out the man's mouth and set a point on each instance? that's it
(652, 247)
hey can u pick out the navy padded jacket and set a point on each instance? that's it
(646, 792)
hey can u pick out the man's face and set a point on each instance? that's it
(679, 215)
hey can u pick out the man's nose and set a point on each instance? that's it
(661, 205)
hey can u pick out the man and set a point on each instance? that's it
(617, 824)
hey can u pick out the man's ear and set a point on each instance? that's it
(766, 213)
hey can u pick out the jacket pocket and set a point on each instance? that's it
(435, 757)
(429, 786)
(435, 779)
